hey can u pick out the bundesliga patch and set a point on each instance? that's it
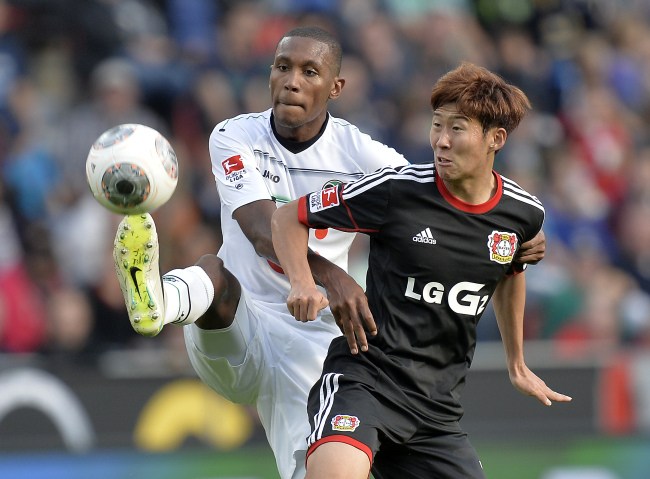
(502, 246)
(321, 200)
(343, 422)
(234, 168)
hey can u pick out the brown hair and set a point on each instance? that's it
(483, 95)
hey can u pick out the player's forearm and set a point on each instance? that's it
(324, 272)
(254, 219)
(290, 240)
(509, 301)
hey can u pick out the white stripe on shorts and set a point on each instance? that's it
(328, 388)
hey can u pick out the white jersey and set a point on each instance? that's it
(266, 357)
(249, 164)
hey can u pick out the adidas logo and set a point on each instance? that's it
(424, 236)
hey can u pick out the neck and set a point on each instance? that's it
(297, 146)
(300, 133)
(473, 191)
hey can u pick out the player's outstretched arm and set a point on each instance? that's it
(290, 241)
(509, 300)
(532, 251)
(254, 219)
(347, 300)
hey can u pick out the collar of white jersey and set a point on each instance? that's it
(298, 146)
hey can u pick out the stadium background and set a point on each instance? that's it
(82, 396)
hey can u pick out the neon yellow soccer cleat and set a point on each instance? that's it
(136, 262)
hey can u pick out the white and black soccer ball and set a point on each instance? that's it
(132, 169)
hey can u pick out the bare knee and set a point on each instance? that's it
(215, 269)
(227, 292)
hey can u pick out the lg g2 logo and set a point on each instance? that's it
(462, 297)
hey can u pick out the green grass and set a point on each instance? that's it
(513, 459)
(531, 459)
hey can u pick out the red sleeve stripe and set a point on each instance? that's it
(344, 439)
(513, 271)
(302, 211)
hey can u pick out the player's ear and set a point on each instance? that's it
(499, 137)
(339, 82)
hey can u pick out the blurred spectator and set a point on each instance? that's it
(13, 64)
(192, 27)
(30, 171)
(22, 313)
(356, 105)
(70, 321)
(526, 65)
(237, 52)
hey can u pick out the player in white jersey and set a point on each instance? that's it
(251, 164)
(239, 334)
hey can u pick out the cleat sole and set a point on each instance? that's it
(136, 262)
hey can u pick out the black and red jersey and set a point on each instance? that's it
(434, 264)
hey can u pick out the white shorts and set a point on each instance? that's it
(269, 360)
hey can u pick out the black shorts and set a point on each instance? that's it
(361, 407)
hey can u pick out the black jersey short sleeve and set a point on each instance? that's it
(533, 226)
(358, 206)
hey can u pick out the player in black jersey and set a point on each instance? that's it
(442, 240)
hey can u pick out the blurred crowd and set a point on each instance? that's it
(71, 69)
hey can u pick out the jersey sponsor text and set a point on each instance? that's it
(271, 176)
(459, 302)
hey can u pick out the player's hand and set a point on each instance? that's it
(349, 305)
(525, 381)
(532, 252)
(305, 301)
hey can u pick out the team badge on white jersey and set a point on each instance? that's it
(234, 168)
(502, 246)
(321, 200)
(343, 422)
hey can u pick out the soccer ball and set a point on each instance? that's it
(132, 169)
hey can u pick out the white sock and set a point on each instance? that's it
(188, 295)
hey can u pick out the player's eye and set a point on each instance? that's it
(311, 72)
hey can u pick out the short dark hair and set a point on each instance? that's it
(322, 36)
(481, 94)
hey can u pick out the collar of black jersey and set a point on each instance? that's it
(298, 146)
(466, 207)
